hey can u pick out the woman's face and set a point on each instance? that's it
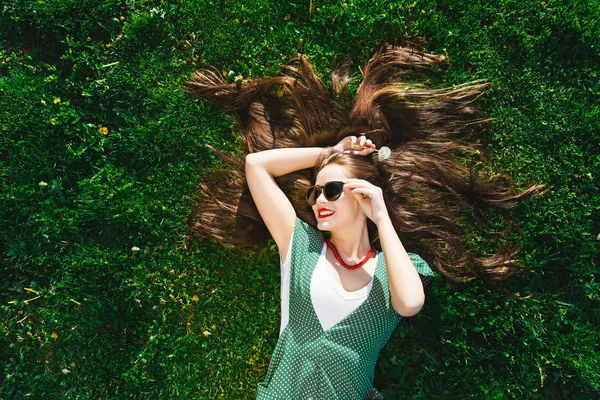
(339, 213)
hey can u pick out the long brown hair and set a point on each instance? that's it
(432, 133)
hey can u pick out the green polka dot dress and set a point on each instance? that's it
(339, 363)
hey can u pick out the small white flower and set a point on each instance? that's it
(135, 249)
(383, 153)
(65, 371)
(598, 237)
(43, 184)
(230, 73)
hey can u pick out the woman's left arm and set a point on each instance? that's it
(405, 284)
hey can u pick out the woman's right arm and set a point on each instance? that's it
(274, 207)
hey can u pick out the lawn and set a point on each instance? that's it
(101, 152)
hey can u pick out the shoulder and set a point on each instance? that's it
(303, 229)
(420, 265)
(306, 238)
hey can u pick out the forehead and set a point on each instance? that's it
(332, 172)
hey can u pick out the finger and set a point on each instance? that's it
(358, 183)
(354, 182)
(366, 193)
(362, 140)
(359, 197)
(352, 142)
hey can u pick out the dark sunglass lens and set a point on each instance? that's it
(311, 196)
(333, 190)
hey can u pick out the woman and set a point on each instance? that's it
(344, 302)
(341, 300)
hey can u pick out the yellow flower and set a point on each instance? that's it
(56, 100)
(195, 298)
(54, 335)
(53, 121)
(103, 130)
(122, 18)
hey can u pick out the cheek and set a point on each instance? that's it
(355, 206)
(349, 203)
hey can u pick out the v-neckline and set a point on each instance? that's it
(368, 299)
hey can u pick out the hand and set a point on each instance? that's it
(355, 145)
(369, 197)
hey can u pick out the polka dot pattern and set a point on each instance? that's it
(339, 363)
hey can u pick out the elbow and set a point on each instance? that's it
(252, 162)
(250, 159)
(409, 309)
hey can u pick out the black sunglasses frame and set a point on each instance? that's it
(313, 192)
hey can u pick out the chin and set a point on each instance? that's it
(323, 225)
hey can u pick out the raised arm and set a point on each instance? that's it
(406, 288)
(274, 207)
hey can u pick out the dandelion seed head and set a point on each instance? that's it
(384, 153)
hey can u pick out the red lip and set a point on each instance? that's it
(325, 213)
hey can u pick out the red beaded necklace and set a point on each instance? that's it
(343, 264)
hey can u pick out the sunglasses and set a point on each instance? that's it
(332, 191)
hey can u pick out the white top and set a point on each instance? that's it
(332, 303)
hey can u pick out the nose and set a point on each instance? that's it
(321, 198)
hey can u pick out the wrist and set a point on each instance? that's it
(327, 152)
(383, 221)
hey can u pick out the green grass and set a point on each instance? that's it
(84, 316)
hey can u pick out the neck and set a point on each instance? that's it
(352, 244)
